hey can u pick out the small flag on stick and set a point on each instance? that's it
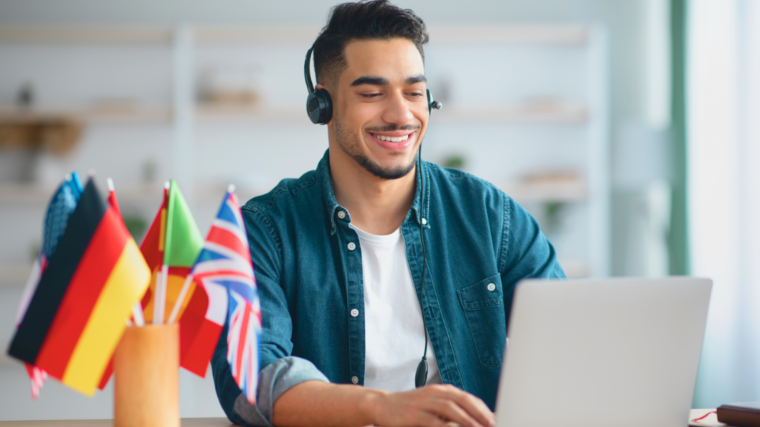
(59, 210)
(170, 248)
(79, 310)
(224, 269)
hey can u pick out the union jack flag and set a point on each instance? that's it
(226, 261)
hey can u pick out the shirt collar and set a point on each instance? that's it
(328, 194)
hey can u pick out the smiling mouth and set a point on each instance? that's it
(391, 138)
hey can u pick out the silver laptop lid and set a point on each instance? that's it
(620, 352)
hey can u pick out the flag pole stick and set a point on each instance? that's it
(159, 307)
(181, 298)
(137, 314)
(162, 276)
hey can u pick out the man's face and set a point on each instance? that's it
(381, 109)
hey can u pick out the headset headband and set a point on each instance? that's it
(306, 71)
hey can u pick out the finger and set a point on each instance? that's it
(451, 411)
(427, 419)
(474, 406)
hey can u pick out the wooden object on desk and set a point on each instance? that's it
(146, 386)
(186, 422)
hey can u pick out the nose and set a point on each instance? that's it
(397, 110)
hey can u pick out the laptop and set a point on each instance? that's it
(612, 352)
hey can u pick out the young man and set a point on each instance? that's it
(340, 253)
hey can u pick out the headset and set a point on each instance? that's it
(320, 110)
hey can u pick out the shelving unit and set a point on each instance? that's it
(536, 98)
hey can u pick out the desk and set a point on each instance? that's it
(710, 421)
(186, 422)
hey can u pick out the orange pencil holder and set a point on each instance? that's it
(146, 384)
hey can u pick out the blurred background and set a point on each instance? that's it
(625, 127)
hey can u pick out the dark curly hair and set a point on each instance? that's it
(364, 20)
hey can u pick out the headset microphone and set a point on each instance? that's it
(319, 108)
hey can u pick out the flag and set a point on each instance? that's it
(170, 248)
(59, 210)
(112, 200)
(201, 326)
(113, 203)
(225, 263)
(152, 248)
(78, 313)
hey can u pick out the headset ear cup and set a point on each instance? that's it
(325, 106)
(430, 101)
(319, 106)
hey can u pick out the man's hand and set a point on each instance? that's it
(314, 403)
(433, 406)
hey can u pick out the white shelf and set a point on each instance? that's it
(209, 113)
(86, 33)
(449, 114)
(24, 193)
(279, 34)
(88, 116)
(512, 114)
(268, 33)
(553, 192)
(127, 116)
(513, 34)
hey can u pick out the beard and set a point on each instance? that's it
(350, 144)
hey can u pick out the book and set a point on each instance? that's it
(745, 414)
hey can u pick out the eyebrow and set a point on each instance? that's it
(381, 81)
(416, 79)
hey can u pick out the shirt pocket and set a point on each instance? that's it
(483, 305)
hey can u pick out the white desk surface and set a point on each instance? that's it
(186, 422)
(710, 421)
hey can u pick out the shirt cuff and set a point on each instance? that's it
(274, 380)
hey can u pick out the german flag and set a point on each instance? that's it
(79, 310)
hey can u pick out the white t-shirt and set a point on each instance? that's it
(394, 332)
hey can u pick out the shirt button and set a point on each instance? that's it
(424, 221)
(341, 214)
(354, 313)
(351, 246)
(491, 287)
(355, 379)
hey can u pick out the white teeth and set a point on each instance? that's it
(391, 138)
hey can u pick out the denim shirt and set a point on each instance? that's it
(307, 260)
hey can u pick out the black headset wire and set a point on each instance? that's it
(420, 377)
